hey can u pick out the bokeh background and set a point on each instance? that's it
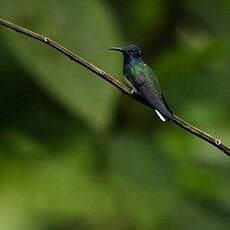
(77, 154)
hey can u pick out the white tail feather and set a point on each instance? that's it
(160, 116)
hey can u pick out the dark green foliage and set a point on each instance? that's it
(74, 153)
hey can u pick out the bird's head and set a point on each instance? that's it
(130, 51)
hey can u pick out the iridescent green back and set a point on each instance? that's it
(141, 69)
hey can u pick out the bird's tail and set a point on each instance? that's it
(167, 116)
(160, 116)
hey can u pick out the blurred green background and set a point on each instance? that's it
(77, 154)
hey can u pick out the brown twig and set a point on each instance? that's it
(178, 121)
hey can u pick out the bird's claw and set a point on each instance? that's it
(132, 91)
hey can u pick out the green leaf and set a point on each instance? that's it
(190, 69)
(86, 27)
(140, 21)
(214, 14)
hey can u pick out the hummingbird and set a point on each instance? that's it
(143, 81)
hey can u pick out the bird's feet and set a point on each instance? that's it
(132, 91)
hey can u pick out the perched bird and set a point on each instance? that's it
(143, 80)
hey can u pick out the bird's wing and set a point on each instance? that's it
(151, 94)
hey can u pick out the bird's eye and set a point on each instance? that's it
(133, 52)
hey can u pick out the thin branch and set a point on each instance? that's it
(178, 121)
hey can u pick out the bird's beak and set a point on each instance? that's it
(116, 49)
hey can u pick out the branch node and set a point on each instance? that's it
(46, 39)
(102, 72)
(218, 142)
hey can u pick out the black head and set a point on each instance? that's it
(132, 50)
(129, 51)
